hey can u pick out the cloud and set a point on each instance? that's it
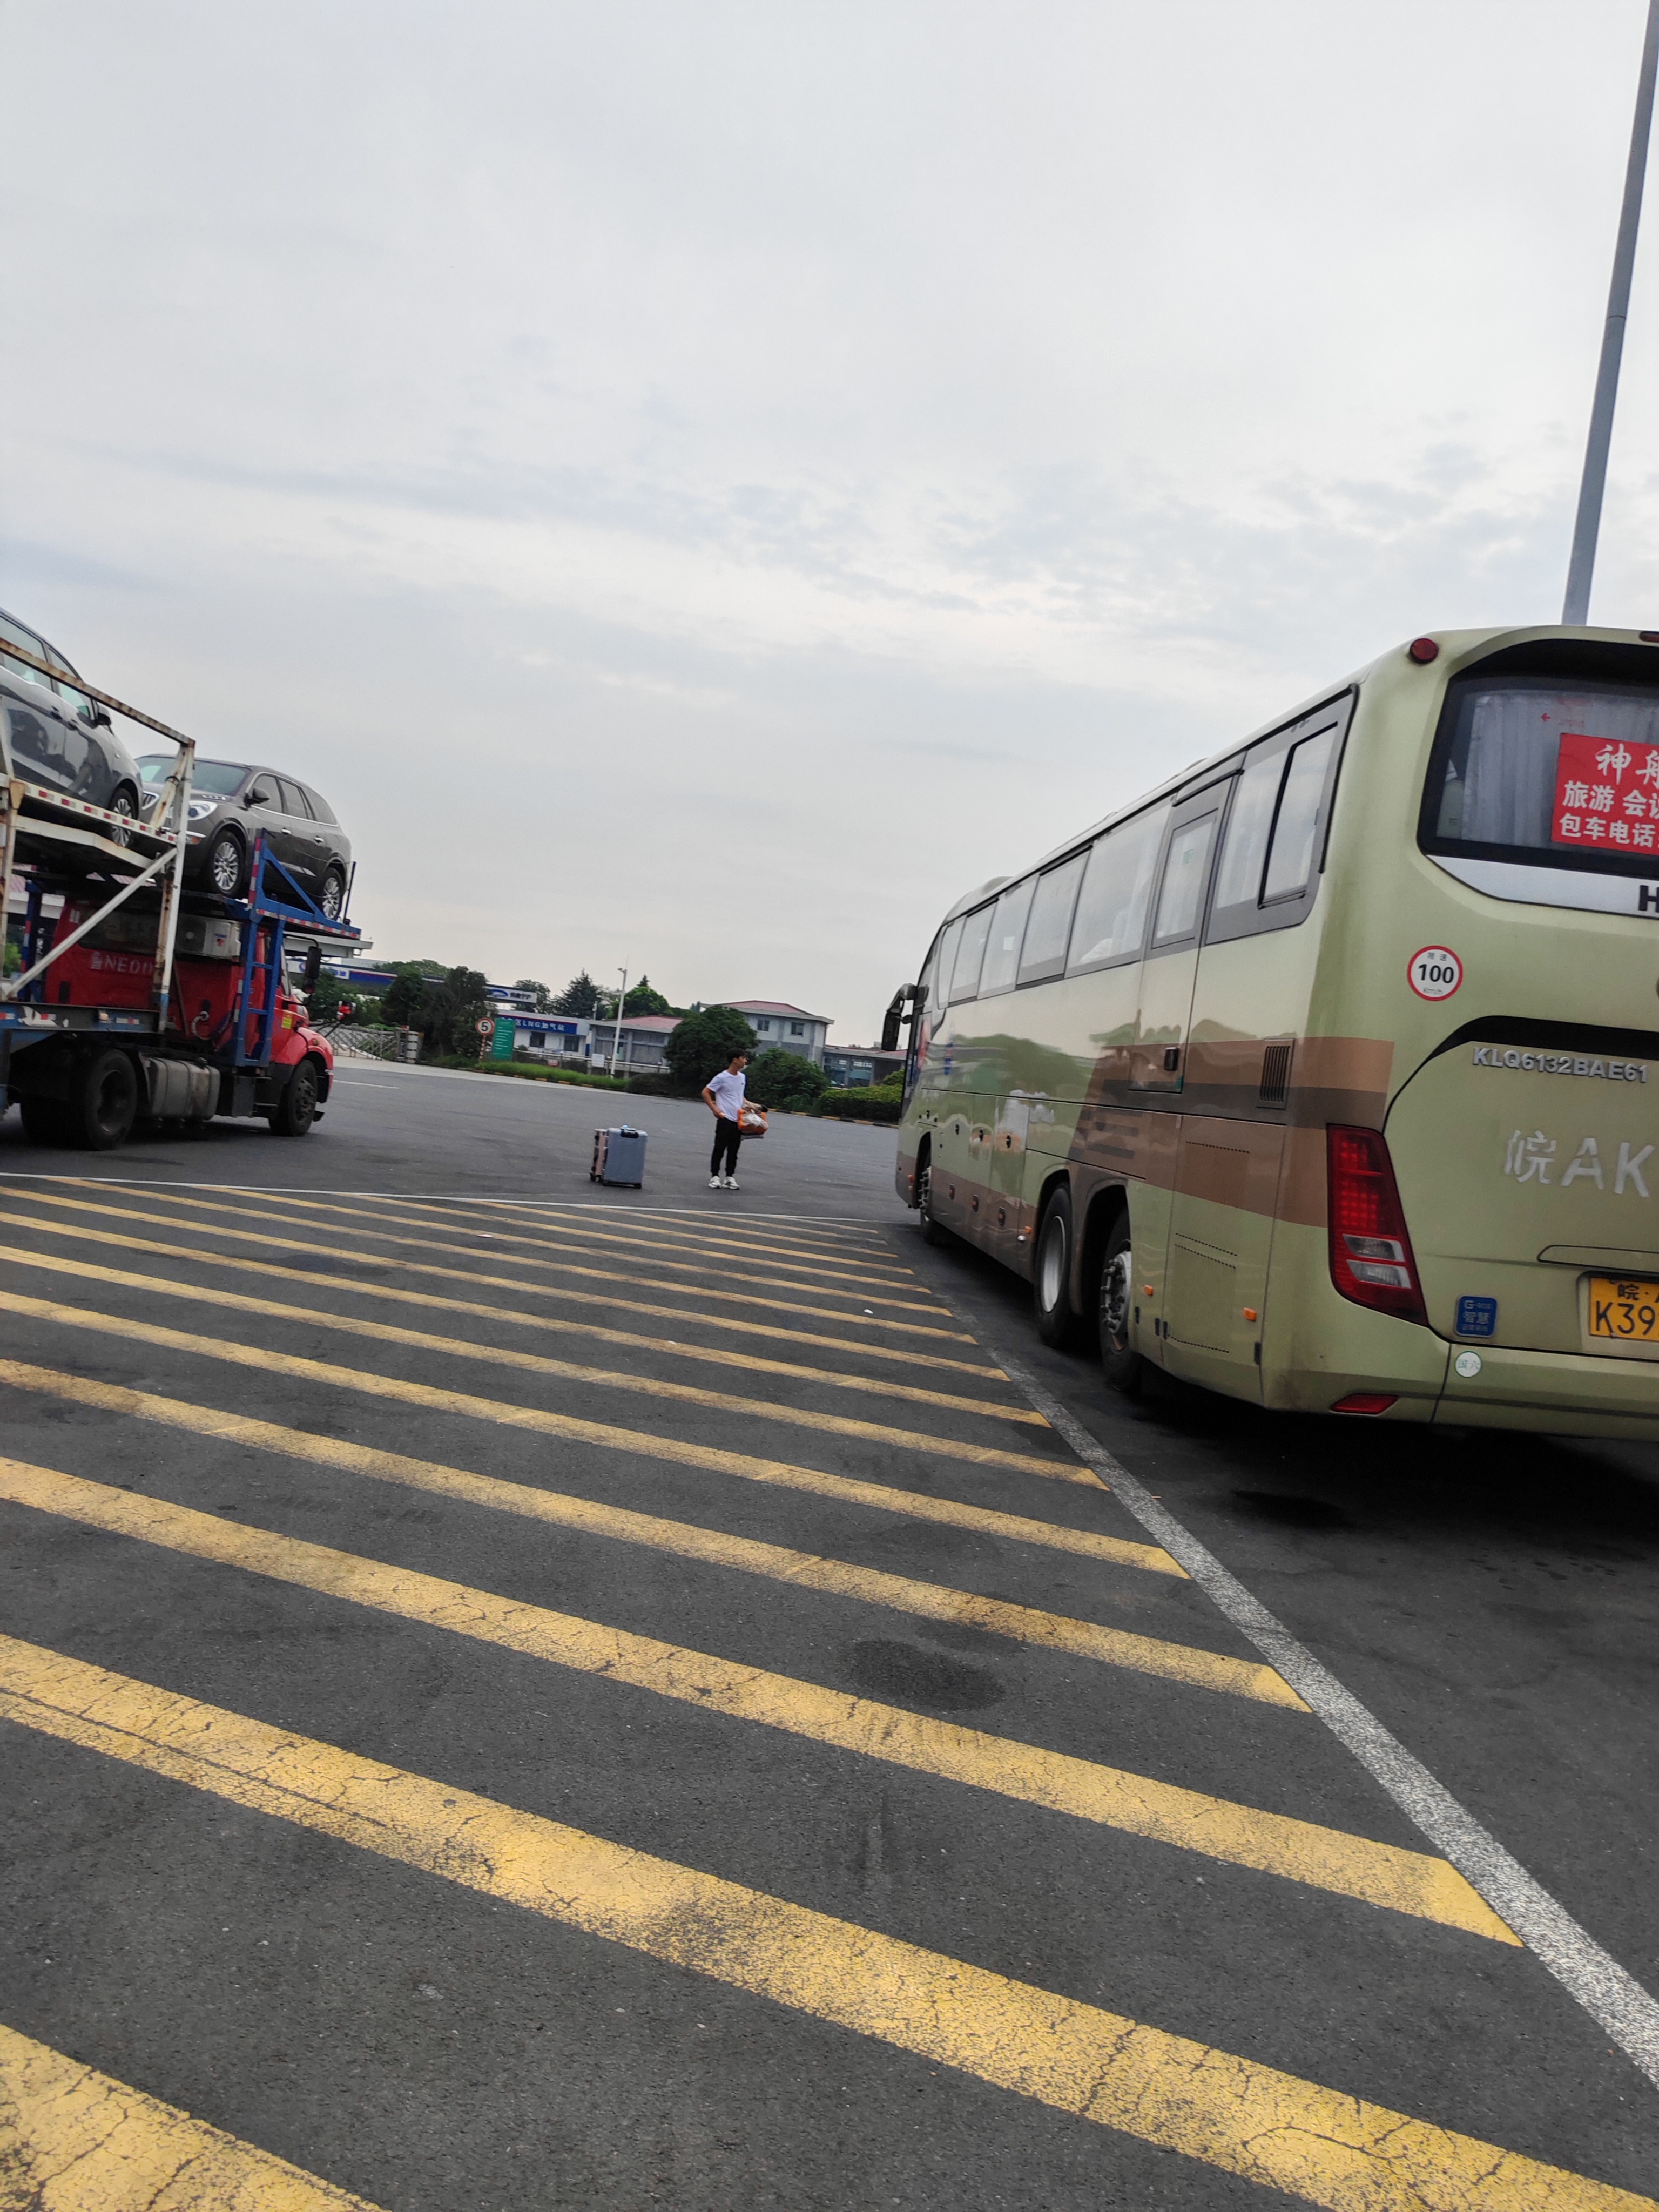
(656, 469)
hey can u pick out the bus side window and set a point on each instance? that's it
(1244, 855)
(965, 974)
(938, 982)
(1007, 928)
(1291, 862)
(1117, 887)
(1050, 922)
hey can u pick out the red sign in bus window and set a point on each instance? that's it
(1607, 792)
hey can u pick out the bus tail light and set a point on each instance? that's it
(1371, 1260)
(1364, 1401)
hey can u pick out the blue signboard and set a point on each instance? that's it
(544, 1025)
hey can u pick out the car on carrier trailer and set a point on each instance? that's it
(136, 998)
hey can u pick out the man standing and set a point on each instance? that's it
(723, 1095)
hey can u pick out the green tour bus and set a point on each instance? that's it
(1328, 1075)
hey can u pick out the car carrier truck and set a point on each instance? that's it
(134, 999)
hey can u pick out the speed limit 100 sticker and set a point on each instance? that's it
(1435, 972)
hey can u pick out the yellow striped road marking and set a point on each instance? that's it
(622, 1229)
(793, 1235)
(1110, 1647)
(1408, 1881)
(711, 1355)
(496, 1237)
(536, 1363)
(72, 2140)
(903, 1355)
(1330, 2148)
(574, 1512)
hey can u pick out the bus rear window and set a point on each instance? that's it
(1549, 775)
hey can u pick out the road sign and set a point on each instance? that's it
(486, 1025)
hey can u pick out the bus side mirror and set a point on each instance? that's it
(894, 1015)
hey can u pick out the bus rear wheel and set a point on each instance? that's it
(1121, 1365)
(1051, 1282)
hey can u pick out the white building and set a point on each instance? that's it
(789, 1028)
(641, 1049)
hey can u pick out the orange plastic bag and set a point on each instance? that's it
(752, 1122)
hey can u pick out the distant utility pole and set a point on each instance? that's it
(615, 1042)
(1587, 523)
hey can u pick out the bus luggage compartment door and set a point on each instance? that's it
(1221, 1222)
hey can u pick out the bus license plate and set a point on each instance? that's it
(1625, 1308)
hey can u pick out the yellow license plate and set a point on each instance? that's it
(1625, 1308)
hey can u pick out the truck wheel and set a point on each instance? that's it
(1051, 1284)
(296, 1109)
(102, 1103)
(1123, 1365)
(932, 1233)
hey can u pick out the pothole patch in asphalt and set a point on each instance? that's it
(890, 1669)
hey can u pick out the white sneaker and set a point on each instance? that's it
(713, 1182)
(731, 1183)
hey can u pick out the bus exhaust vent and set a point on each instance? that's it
(1275, 1075)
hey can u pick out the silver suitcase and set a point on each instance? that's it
(618, 1157)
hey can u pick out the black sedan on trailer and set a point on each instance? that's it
(60, 740)
(231, 803)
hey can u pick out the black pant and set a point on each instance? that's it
(727, 1137)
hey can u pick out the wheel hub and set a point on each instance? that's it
(1114, 1295)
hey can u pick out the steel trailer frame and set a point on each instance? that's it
(275, 910)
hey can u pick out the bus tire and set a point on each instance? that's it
(296, 1109)
(932, 1233)
(1121, 1365)
(1051, 1276)
(102, 1103)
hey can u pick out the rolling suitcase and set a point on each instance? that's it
(618, 1157)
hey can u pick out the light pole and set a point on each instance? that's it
(1588, 523)
(615, 1042)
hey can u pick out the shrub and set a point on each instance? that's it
(784, 1080)
(702, 1044)
(873, 1102)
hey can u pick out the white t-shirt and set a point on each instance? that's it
(728, 1093)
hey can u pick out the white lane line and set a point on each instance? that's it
(1613, 1998)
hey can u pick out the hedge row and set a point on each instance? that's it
(880, 1102)
(528, 1074)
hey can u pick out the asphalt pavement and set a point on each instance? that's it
(522, 1695)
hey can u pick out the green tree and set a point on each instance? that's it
(783, 1078)
(642, 999)
(543, 996)
(451, 1006)
(401, 1002)
(702, 1046)
(580, 996)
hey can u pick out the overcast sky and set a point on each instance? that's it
(701, 486)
